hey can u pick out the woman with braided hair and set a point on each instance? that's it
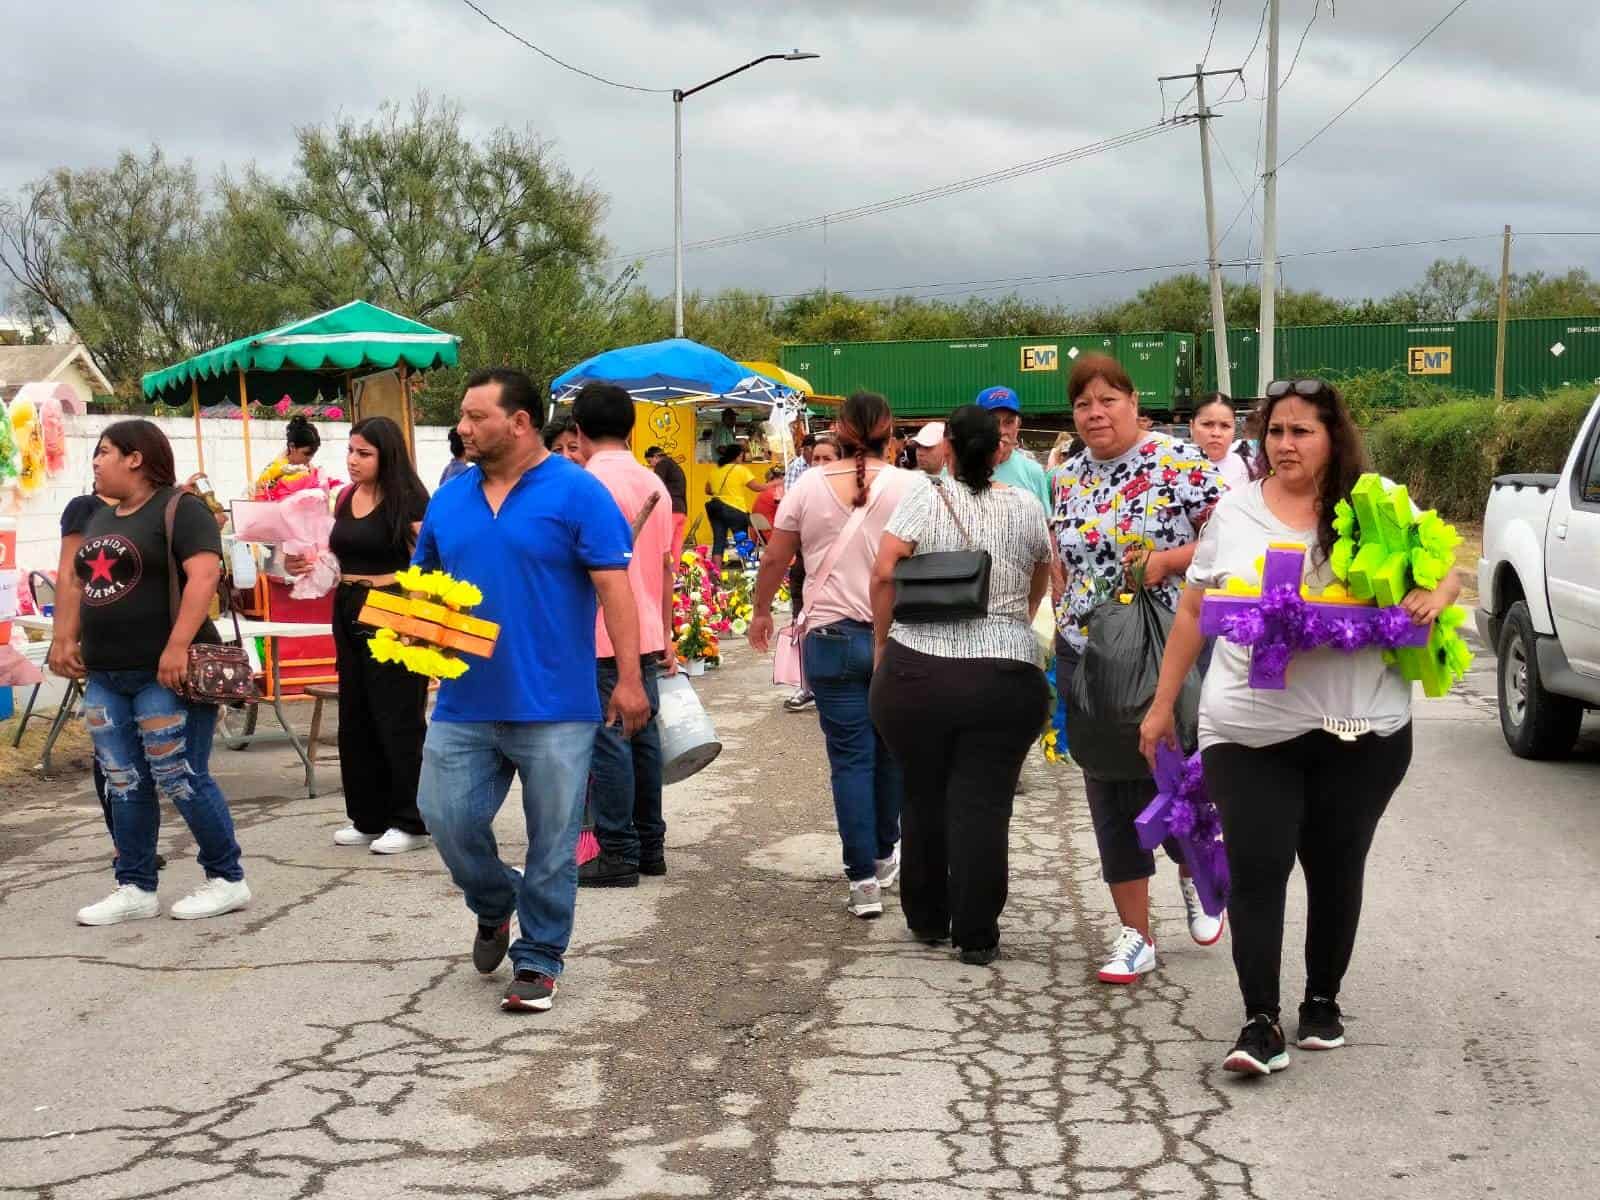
(834, 516)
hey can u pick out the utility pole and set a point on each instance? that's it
(1219, 325)
(1500, 333)
(1269, 215)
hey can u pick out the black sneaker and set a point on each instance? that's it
(653, 866)
(1320, 1025)
(489, 947)
(530, 991)
(979, 956)
(800, 701)
(929, 937)
(608, 870)
(1259, 1050)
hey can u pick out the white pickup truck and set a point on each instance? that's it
(1539, 597)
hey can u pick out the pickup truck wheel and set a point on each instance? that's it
(1536, 723)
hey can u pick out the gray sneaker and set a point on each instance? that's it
(888, 869)
(866, 899)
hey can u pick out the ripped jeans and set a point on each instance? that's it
(151, 746)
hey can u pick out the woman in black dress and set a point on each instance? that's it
(381, 705)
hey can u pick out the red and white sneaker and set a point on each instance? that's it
(1203, 927)
(1132, 955)
(530, 991)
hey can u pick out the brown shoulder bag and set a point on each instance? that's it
(216, 674)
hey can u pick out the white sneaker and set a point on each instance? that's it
(130, 902)
(351, 836)
(211, 899)
(888, 869)
(1203, 927)
(398, 841)
(1132, 955)
(866, 899)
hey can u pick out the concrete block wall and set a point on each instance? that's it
(38, 516)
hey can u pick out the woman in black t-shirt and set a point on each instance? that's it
(117, 630)
(381, 705)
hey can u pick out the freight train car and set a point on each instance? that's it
(930, 378)
(1541, 353)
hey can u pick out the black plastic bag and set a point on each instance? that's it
(1112, 686)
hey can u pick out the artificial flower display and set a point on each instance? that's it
(426, 629)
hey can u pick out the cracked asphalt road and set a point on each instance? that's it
(729, 1031)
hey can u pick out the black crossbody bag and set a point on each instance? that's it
(943, 585)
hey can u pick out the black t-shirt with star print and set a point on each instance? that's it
(122, 565)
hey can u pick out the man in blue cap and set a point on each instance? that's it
(1018, 470)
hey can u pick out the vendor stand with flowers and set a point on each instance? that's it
(357, 359)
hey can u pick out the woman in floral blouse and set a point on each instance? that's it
(1128, 496)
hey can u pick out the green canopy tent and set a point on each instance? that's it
(303, 356)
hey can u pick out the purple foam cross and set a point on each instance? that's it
(1278, 620)
(1182, 810)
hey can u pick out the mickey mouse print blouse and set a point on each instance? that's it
(1158, 495)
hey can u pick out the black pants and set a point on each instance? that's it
(960, 729)
(1321, 799)
(381, 726)
(725, 519)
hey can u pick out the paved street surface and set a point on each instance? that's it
(730, 1032)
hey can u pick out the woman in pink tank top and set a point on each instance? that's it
(834, 518)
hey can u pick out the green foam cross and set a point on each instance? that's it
(1381, 567)
(1384, 545)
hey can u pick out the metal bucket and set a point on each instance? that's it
(688, 741)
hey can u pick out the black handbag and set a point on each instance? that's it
(943, 585)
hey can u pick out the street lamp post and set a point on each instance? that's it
(678, 97)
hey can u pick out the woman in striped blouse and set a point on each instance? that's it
(960, 702)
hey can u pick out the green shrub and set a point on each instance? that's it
(1371, 394)
(1447, 454)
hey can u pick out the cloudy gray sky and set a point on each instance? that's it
(1494, 120)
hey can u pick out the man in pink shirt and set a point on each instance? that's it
(625, 774)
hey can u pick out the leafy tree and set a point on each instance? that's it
(405, 210)
(115, 251)
(1448, 292)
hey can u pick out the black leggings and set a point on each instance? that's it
(725, 519)
(1321, 799)
(960, 728)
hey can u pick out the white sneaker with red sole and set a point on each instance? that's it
(1203, 927)
(1132, 955)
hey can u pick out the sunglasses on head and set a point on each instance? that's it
(1300, 387)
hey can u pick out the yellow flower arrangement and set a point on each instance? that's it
(424, 629)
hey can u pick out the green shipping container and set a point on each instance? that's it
(1541, 353)
(931, 378)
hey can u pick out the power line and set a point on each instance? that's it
(1460, 4)
(937, 192)
(1316, 8)
(1261, 28)
(627, 87)
(974, 286)
(1216, 16)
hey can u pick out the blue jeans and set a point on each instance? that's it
(466, 773)
(625, 777)
(867, 785)
(151, 746)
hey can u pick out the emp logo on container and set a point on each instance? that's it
(1040, 358)
(1428, 360)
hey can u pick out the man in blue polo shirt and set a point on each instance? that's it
(541, 538)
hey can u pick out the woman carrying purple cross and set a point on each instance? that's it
(1305, 771)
